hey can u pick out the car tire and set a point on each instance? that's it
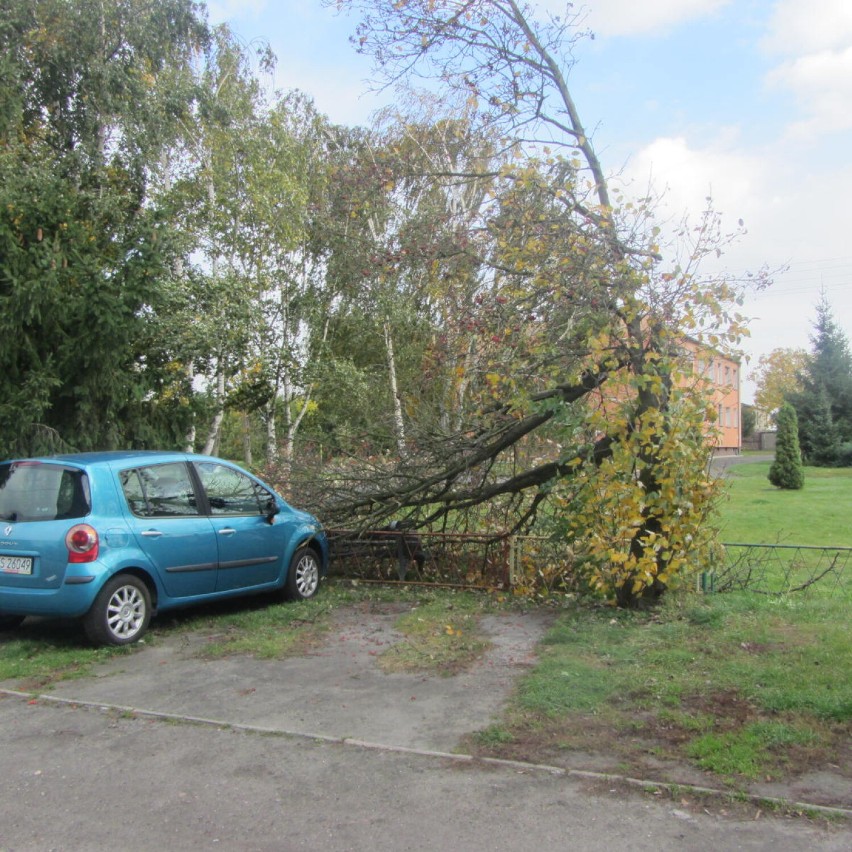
(11, 622)
(303, 576)
(121, 612)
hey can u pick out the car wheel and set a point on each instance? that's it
(10, 622)
(120, 613)
(304, 575)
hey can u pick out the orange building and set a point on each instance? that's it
(714, 372)
(722, 374)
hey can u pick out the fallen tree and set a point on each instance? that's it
(578, 409)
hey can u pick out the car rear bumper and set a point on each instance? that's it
(72, 599)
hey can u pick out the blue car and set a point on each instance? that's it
(114, 537)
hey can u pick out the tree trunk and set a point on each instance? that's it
(647, 400)
(216, 426)
(271, 433)
(399, 423)
(189, 438)
(247, 454)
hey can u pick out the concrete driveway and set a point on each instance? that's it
(336, 691)
(162, 749)
(720, 464)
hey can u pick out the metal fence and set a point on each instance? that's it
(537, 563)
(776, 569)
(458, 559)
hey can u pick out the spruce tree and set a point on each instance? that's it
(823, 440)
(824, 406)
(787, 470)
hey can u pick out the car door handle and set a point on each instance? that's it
(227, 531)
(152, 533)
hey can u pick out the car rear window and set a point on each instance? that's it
(40, 491)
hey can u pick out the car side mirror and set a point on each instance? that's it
(272, 509)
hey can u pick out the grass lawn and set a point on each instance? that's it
(754, 512)
(806, 535)
(737, 688)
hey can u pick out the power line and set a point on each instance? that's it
(797, 288)
(832, 274)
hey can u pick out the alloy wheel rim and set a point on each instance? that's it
(307, 576)
(126, 612)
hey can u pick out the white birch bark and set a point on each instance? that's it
(399, 422)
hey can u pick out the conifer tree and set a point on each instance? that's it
(824, 405)
(787, 471)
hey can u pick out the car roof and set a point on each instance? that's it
(109, 456)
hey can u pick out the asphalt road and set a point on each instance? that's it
(87, 779)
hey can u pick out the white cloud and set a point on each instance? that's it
(630, 17)
(783, 214)
(798, 27)
(815, 41)
(822, 82)
(687, 176)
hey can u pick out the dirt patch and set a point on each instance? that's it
(728, 708)
(653, 748)
(760, 647)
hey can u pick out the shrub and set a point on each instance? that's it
(787, 470)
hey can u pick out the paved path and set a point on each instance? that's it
(337, 690)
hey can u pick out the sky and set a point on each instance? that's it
(748, 102)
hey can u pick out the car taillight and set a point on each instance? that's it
(82, 543)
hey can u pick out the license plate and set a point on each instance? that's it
(16, 564)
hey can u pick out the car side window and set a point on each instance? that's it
(230, 492)
(159, 491)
